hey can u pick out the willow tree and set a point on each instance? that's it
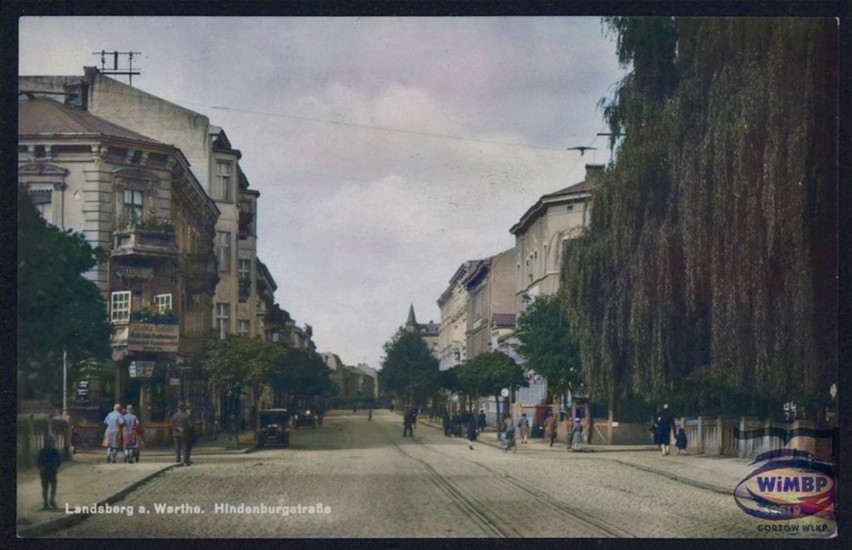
(708, 272)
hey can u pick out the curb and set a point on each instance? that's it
(680, 479)
(67, 520)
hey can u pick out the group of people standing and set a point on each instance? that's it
(124, 433)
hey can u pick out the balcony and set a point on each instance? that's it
(200, 273)
(145, 239)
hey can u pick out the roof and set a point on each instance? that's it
(43, 116)
(577, 191)
(429, 329)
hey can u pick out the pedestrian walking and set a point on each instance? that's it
(180, 434)
(48, 462)
(132, 436)
(408, 423)
(665, 427)
(524, 428)
(588, 426)
(445, 422)
(481, 420)
(681, 441)
(576, 434)
(190, 437)
(370, 414)
(113, 434)
(509, 434)
(472, 429)
(550, 428)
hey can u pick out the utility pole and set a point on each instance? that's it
(116, 70)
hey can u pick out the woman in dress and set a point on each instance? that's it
(132, 441)
(113, 435)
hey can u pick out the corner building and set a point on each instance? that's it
(136, 198)
(214, 164)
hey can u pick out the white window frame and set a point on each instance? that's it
(120, 305)
(163, 302)
(133, 210)
(244, 273)
(222, 189)
(243, 323)
(223, 251)
(222, 314)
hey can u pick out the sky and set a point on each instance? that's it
(387, 151)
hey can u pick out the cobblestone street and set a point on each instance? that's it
(355, 478)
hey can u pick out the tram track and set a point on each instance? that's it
(486, 519)
(470, 507)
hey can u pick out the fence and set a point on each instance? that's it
(748, 437)
(32, 433)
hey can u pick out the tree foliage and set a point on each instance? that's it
(240, 362)
(58, 309)
(548, 344)
(409, 369)
(711, 255)
(485, 374)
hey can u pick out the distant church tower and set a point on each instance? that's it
(411, 324)
(429, 331)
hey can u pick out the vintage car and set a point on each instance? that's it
(305, 419)
(274, 428)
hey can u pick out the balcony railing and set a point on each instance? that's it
(147, 240)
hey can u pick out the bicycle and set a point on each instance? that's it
(510, 443)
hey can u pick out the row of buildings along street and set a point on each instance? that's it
(484, 297)
(160, 188)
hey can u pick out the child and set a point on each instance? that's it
(680, 441)
(577, 434)
(48, 462)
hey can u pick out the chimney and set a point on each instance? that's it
(593, 171)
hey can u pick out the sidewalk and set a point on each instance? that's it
(88, 480)
(720, 474)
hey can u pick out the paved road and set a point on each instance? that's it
(354, 478)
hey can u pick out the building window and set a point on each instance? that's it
(120, 306)
(243, 327)
(222, 184)
(42, 197)
(479, 304)
(133, 205)
(244, 270)
(221, 317)
(163, 302)
(223, 250)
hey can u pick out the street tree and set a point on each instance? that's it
(709, 268)
(492, 372)
(547, 343)
(58, 310)
(409, 370)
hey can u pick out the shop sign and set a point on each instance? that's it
(151, 337)
(141, 369)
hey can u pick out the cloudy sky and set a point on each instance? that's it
(387, 151)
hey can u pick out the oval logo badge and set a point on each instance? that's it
(788, 489)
